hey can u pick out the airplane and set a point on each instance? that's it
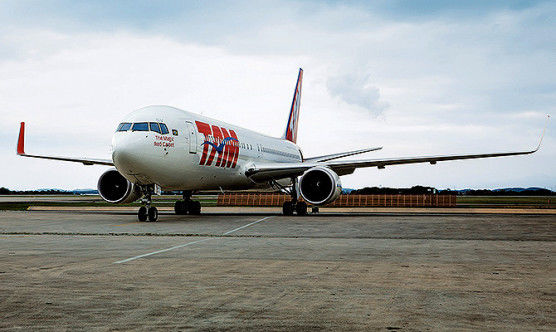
(164, 148)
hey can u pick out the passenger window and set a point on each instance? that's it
(140, 126)
(163, 129)
(154, 127)
(124, 126)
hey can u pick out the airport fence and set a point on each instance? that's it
(273, 199)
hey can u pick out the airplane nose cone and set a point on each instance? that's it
(123, 158)
(127, 157)
(135, 158)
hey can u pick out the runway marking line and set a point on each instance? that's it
(242, 227)
(188, 243)
(160, 251)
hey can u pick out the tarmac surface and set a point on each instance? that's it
(48, 198)
(105, 271)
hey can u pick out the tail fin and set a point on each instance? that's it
(291, 129)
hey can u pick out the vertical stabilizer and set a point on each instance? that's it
(291, 129)
(21, 139)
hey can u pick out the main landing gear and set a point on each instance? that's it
(299, 207)
(187, 206)
(147, 211)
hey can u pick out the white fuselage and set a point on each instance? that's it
(197, 153)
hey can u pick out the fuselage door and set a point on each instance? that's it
(259, 151)
(192, 137)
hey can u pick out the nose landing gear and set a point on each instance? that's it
(187, 206)
(147, 211)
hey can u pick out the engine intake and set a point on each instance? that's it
(320, 185)
(114, 188)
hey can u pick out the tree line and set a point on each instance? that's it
(420, 190)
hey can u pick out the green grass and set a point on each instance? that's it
(14, 206)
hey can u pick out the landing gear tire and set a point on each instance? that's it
(153, 213)
(187, 207)
(146, 211)
(195, 207)
(180, 207)
(301, 208)
(142, 214)
(287, 208)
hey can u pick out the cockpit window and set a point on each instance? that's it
(154, 127)
(140, 126)
(163, 129)
(124, 126)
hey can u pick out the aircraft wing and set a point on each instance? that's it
(275, 171)
(84, 161)
(340, 155)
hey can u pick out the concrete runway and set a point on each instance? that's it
(82, 270)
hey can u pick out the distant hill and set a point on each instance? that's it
(85, 191)
(520, 189)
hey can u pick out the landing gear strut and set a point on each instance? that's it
(147, 211)
(187, 206)
(299, 207)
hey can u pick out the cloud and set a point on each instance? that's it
(355, 89)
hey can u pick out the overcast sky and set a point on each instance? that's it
(416, 77)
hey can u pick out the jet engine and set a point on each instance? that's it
(320, 185)
(114, 188)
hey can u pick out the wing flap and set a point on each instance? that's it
(381, 163)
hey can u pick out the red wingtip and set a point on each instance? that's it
(21, 140)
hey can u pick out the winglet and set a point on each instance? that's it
(543, 131)
(21, 140)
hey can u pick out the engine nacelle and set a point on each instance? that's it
(320, 185)
(114, 188)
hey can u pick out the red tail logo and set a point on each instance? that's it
(291, 128)
(220, 140)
